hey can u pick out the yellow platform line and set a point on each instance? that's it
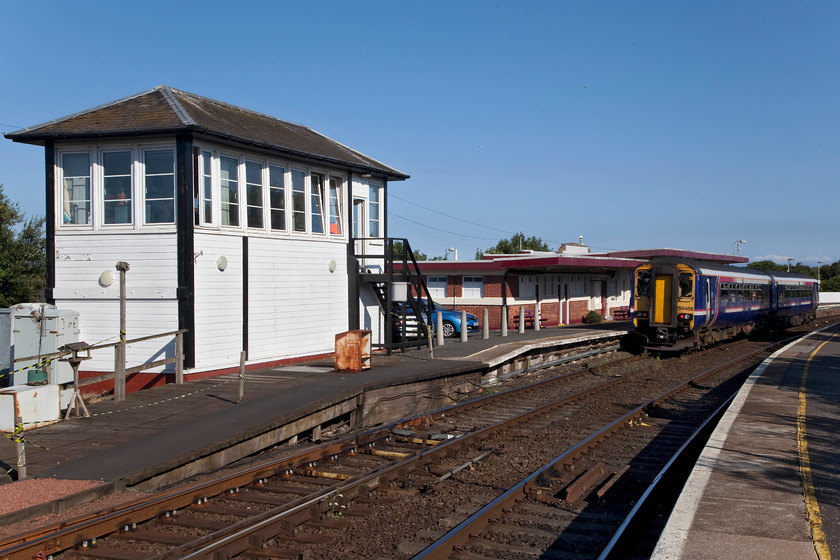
(811, 504)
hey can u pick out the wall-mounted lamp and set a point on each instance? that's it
(366, 175)
(106, 278)
(221, 263)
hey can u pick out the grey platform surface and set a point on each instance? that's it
(745, 498)
(151, 427)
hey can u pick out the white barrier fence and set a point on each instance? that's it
(829, 298)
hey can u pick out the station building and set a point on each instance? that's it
(259, 236)
(563, 286)
(238, 227)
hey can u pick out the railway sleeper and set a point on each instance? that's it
(272, 552)
(581, 486)
(109, 553)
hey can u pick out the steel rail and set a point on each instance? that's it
(235, 539)
(477, 522)
(62, 536)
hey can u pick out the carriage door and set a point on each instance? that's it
(663, 298)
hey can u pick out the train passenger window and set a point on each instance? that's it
(686, 285)
(643, 283)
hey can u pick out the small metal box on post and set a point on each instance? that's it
(352, 351)
(80, 351)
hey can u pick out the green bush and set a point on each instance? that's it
(593, 317)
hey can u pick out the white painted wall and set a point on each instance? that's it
(296, 306)
(151, 304)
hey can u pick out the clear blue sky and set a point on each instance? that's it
(634, 124)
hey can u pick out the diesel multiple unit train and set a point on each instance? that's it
(680, 304)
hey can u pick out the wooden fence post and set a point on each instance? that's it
(241, 377)
(179, 358)
(120, 351)
(20, 448)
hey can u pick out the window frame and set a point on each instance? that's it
(284, 210)
(338, 188)
(374, 211)
(61, 177)
(304, 212)
(132, 186)
(144, 175)
(262, 193)
(316, 199)
(225, 206)
(474, 280)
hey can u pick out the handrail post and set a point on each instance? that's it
(179, 358)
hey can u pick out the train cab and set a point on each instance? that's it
(664, 304)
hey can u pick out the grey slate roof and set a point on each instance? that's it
(165, 110)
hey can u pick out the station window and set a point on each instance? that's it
(473, 286)
(298, 200)
(117, 187)
(316, 184)
(277, 196)
(254, 194)
(373, 209)
(75, 193)
(437, 286)
(160, 186)
(335, 205)
(229, 176)
(206, 188)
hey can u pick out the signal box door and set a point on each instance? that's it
(662, 300)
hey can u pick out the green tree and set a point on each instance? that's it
(517, 243)
(399, 249)
(22, 254)
(830, 285)
(767, 265)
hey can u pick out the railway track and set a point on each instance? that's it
(302, 504)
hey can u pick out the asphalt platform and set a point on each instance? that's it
(767, 484)
(124, 440)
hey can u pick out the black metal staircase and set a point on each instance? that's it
(388, 265)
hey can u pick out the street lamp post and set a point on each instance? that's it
(737, 246)
(790, 260)
(453, 250)
(818, 271)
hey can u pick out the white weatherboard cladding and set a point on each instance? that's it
(370, 314)
(151, 305)
(218, 300)
(296, 306)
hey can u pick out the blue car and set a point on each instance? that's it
(451, 321)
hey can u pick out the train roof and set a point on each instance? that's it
(704, 267)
